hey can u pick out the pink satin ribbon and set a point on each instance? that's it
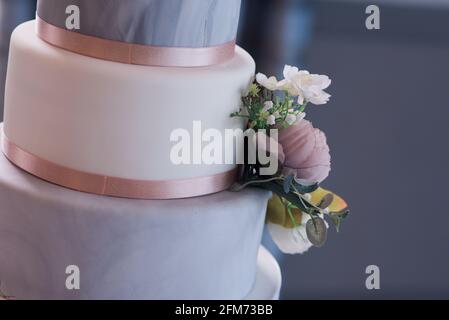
(133, 53)
(112, 186)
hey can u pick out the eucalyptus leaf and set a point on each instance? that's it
(344, 214)
(316, 231)
(294, 198)
(326, 201)
(336, 220)
(341, 214)
(291, 197)
(291, 216)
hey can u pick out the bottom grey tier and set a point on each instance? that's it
(197, 248)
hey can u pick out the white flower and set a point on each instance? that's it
(270, 83)
(308, 87)
(290, 119)
(268, 105)
(291, 240)
(288, 240)
(277, 115)
(271, 120)
(290, 72)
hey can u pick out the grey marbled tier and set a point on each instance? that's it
(197, 248)
(174, 23)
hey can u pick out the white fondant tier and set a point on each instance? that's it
(115, 119)
(267, 285)
(268, 278)
(197, 248)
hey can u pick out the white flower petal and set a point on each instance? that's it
(320, 98)
(289, 72)
(271, 120)
(260, 78)
(283, 85)
(306, 86)
(321, 81)
(268, 105)
(269, 83)
(293, 90)
(290, 241)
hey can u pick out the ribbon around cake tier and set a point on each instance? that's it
(114, 186)
(130, 53)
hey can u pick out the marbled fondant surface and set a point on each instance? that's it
(179, 23)
(198, 248)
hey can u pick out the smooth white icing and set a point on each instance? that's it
(267, 285)
(115, 119)
(198, 248)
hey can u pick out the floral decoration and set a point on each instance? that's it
(299, 208)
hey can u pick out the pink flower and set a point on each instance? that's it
(306, 151)
(266, 144)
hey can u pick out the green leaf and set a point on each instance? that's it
(292, 218)
(342, 214)
(295, 199)
(316, 231)
(336, 222)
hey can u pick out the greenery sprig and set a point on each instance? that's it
(293, 193)
(279, 104)
(264, 108)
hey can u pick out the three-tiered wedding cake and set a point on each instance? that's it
(94, 92)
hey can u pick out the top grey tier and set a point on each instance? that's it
(172, 23)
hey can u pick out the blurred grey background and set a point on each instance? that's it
(12, 13)
(387, 125)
